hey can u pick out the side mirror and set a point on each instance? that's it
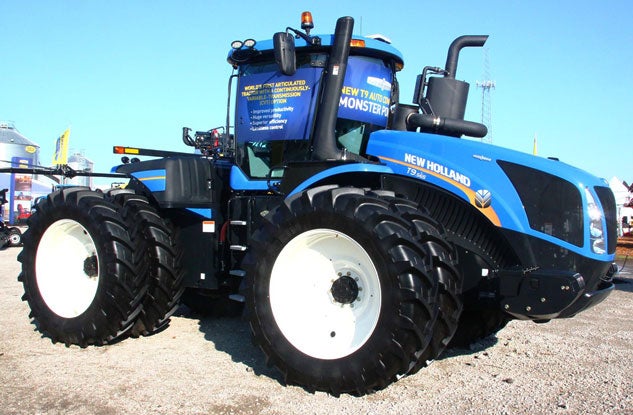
(284, 44)
(276, 172)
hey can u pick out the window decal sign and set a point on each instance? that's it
(272, 106)
(366, 91)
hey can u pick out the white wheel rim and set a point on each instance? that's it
(307, 312)
(66, 268)
(14, 239)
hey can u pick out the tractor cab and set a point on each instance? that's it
(281, 115)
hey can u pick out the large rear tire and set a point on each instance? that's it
(82, 278)
(341, 296)
(164, 255)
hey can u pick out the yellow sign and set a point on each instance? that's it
(61, 149)
(30, 149)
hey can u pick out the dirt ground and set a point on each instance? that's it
(200, 365)
(625, 247)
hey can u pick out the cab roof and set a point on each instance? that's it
(373, 47)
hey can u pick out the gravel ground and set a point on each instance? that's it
(576, 366)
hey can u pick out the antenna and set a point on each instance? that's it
(486, 106)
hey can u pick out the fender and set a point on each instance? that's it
(240, 182)
(473, 171)
(343, 169)
(179, 182)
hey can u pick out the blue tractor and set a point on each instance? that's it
(362, 235)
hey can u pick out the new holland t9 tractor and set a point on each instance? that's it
(361, 235)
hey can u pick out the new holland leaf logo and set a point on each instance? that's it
(483, 198)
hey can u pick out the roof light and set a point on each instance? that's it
(306, 22)
(125, 150)
(357, 43)
(248, 43)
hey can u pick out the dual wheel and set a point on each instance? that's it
(349, 289)
(96, 266)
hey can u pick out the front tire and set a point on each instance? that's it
(341, 297)
(81, 277)
(479, 247)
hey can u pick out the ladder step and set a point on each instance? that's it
(237, 273)
(238, 297)
(240, 248)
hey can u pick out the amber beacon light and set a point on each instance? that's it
(306, 22)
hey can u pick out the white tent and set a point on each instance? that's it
(622, 197)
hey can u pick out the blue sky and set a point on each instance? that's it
(135, 72)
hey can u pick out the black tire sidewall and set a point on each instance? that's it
(157, 238)
(381, 336)
(403, 328)
(97, 324)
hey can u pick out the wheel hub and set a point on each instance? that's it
(332, 307)
(91, 268)
(345, 290)
(67, 268)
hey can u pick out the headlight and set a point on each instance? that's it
(596, 231)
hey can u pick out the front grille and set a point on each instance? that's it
(553, 205)
(607, 200)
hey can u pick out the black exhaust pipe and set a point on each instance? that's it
(444, 103)
(454, 49)
(324, 142)
(446, 97)
(446, 126)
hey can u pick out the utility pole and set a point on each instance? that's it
(486, 106)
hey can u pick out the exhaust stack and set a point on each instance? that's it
(446, 97)
(454, 49)
(444, 103)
